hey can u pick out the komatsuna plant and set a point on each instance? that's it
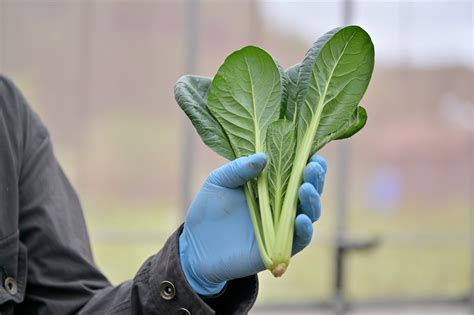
(253, 105)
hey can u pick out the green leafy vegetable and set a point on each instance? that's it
(245, 102)
(245, 98)
(349, 128)
(281, 142)
(292, 83)
(353, 125)
(252, 105)
(191, 95)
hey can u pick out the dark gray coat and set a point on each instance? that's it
(46, 265)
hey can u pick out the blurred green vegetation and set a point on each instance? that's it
(411, 260)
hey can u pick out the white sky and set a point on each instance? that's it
(421, 33)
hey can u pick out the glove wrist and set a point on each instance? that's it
(197, 283)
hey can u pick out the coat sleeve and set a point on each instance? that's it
(62, 277)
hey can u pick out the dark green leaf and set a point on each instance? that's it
(355, 123)
(284, 90)
(291, 86)
(191, 95)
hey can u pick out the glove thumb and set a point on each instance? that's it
(236, 173)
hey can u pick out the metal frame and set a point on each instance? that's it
(3, 34)
(368, 304)
(343, 245)
(188, 148)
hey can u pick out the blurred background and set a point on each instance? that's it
(396, 234)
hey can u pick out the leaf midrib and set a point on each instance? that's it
(321, 104)
(321, 100)
(254, 107)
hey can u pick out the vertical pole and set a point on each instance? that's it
(255, 24)
(471, 195)
(471, 206)
(406, 25)
(342, 191)
(191, 47)
(347, 12)
(3, 39)
(83, 98)
(343, 151)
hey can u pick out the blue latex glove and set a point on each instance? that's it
(218, 241)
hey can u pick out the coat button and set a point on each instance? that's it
(183, 311)
(10, 285)
(167, 290)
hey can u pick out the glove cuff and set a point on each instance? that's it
(197, 283)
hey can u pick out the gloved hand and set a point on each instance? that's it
(218, 241)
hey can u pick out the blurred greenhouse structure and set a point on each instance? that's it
(397, 231)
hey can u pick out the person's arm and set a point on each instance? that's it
(62, 277)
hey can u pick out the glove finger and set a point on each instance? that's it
(236, 173)
(315, 173)
(320, 160)
(303, 233)
(310, 202)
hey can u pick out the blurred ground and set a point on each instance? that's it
(414, 263)
(426, 310)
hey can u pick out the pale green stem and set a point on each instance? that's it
(266, 212)
(284, 234)
(256, 224)
(278, 202)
